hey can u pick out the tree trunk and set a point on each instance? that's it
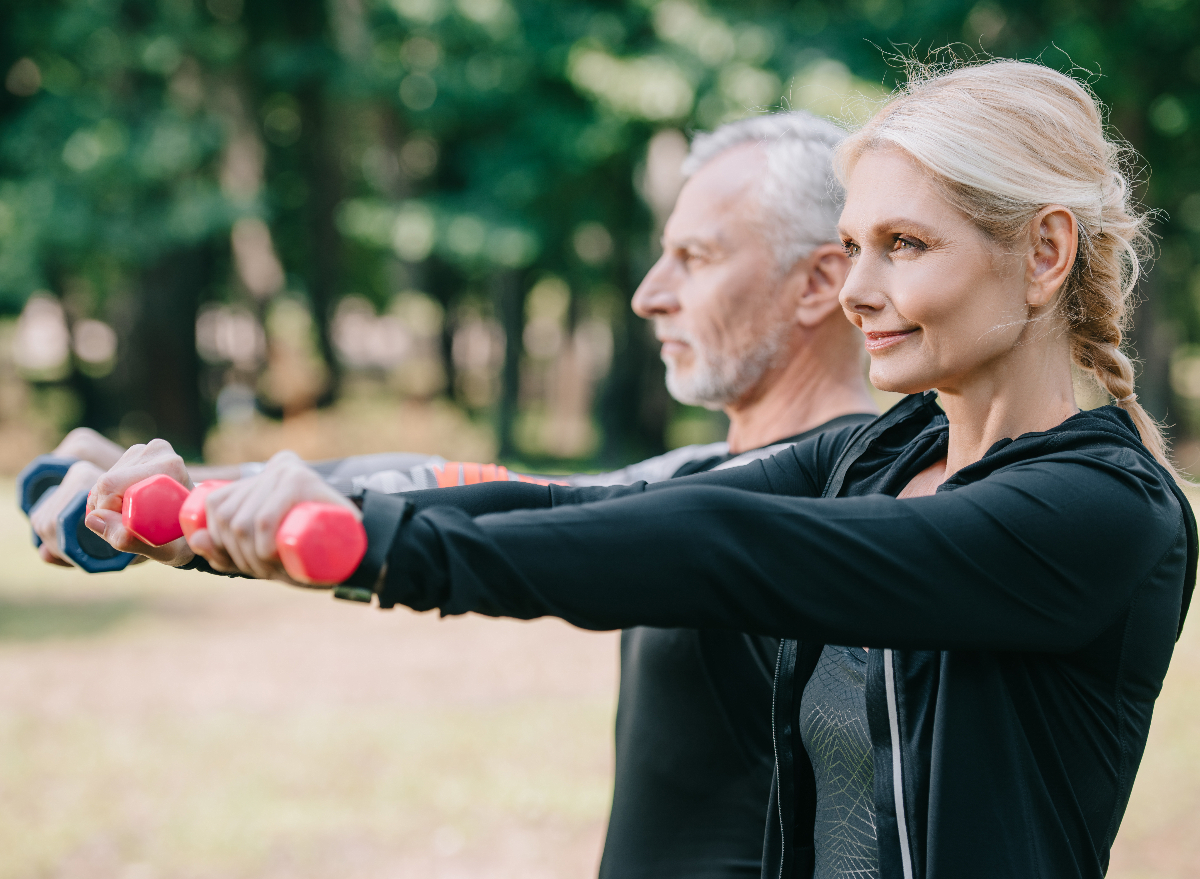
(1153, 340)
(508, 292)
(158, 368)
(324, 240)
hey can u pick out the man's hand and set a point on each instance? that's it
(244, 516)
(88, 445)
(104, 504)
(44, 517)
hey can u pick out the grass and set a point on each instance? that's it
(163, 724)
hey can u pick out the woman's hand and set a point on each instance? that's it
(44, 517)
(104, 504)
(244, 516)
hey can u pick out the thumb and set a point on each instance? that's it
(104, 522)
(108, 524)
(201, 543)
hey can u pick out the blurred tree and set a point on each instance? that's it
(157, 155)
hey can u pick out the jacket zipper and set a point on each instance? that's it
(897, 776)
(775, 746)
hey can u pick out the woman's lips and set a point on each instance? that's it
(878, 341)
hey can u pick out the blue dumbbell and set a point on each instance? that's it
(75, 541)
(83, 546)
(42, 474)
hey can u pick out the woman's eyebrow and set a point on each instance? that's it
(891, 225)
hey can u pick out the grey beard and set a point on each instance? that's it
(716, 380)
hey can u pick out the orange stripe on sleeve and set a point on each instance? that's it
(447, 476)
(468, 473)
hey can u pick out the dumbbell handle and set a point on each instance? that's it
(75, 542)
(318, 543)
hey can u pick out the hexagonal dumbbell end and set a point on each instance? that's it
(321, 543)
(85, 549)
(41, 475)
(191, 515)
(150, 509)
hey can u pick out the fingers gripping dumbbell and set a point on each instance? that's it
(317, 542)
(75, 541)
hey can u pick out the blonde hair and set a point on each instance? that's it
(1007, 138)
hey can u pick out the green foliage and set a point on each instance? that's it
(466, 147)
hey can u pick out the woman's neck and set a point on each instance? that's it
(1030, 393)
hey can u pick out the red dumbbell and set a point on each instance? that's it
(150, 510)
(318, 543)
(191, 516)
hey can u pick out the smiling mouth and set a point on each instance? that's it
(878, 341)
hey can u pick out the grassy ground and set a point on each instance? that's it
(163, 724)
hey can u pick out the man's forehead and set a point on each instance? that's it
(719, 198)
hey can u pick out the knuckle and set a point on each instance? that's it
(217, 523)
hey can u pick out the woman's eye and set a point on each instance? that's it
(903, 242)
(850, 248)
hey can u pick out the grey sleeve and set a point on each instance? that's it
(387, 472)
(656, 469)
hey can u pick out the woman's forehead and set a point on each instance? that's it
(887, 185)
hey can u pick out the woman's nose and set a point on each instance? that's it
(862, 293)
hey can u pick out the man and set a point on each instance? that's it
(745, 302)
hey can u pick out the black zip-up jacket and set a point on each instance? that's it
(1023, 617)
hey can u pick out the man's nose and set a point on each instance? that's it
(655, 296)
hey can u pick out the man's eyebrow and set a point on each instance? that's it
(692, 242)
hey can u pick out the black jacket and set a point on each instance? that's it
(1023, 616)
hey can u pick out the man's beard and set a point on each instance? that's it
(718, 379)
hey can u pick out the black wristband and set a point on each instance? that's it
(200, 563)
(383, 515)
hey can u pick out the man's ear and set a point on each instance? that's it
(1054, 235)
(816, 282)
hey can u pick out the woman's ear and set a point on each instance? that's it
(1054, 234)
(819, 279)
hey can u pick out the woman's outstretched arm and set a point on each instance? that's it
(1040, 556)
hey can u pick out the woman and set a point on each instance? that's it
(1017, 569)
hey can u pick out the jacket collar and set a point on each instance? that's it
(1105, 426)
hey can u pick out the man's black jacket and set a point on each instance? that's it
(1022, 617)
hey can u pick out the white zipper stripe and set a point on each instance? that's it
(778, 774)
(897, 777)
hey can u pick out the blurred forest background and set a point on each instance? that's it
(350, 226)
(353, 225)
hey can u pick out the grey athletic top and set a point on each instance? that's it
(833, 727)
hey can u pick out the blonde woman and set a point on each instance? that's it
(1017, 570)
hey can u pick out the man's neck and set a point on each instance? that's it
(797, 397)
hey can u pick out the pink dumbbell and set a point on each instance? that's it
(318, 543)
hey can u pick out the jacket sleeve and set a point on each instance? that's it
(1039, 556)
(797, 470)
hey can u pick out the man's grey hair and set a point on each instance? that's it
(801, 199)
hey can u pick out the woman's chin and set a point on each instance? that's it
(895, 383)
